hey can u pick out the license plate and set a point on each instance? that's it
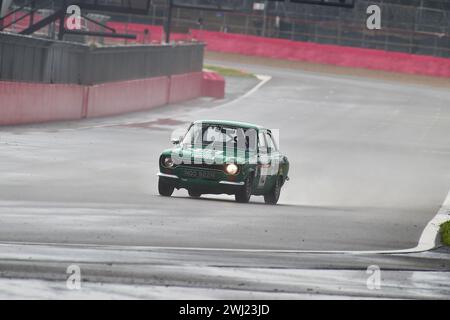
(200, 174)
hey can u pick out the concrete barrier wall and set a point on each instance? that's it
(185, 86)
(127, 96)
(22, 103)
(37, 102)
(213, 85)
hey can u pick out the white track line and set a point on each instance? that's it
(263, 78)
(427, 241)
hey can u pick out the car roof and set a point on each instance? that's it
(238, 124)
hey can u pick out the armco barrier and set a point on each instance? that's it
(127, 96)
(324, 54)
(22, 103)
(38, 102)
(213, 85)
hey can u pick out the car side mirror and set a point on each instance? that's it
(176, 140)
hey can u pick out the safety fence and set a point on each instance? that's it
(286, 49)
(408, 26)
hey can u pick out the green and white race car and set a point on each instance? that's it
(224, 157)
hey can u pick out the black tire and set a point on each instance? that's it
(245, 192)
(165, 188)
(274, 194)
(194, 194)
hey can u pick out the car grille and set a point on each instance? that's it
(204, 166)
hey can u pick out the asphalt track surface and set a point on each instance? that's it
(370, 167)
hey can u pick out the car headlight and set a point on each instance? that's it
(168, 162)
(231, 168)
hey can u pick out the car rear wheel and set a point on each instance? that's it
(274, 194)
(165, 189)
(194, 194)
(245, 192)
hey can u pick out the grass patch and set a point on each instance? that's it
(229, 72)
(445, 233)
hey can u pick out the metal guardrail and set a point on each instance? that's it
(24, 58)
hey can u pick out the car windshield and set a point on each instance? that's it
(220, 137)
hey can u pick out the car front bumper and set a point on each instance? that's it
(202, 185)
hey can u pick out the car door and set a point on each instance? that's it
(274, 160)
(263, 165)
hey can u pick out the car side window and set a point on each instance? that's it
(271, 142)
(262, 145)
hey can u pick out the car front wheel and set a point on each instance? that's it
(194, 194)
(274, 194)
(245, 192)
(165, 189)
